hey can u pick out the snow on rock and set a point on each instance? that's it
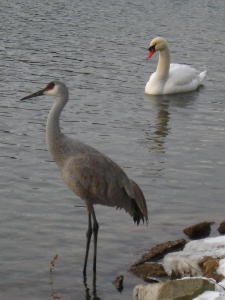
(204, 244)
(209, 295)
(185, 263)
(221, 268)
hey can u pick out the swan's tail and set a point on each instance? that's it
(202, 76)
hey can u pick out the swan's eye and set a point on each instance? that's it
(151, 48)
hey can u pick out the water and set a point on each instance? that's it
(173, 146)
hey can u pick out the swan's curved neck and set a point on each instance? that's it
(53, 132)
(163, 66)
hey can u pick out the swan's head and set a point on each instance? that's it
(54, 88)
(157, 44)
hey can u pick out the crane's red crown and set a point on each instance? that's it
(50, 86)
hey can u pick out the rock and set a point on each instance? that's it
(199, 230)
(221, 228)
(181, 289)
(147, 270)
(209, 267)
(147, 292)
(118, 282)
(159, 251)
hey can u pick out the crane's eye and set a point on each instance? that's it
(50, 86)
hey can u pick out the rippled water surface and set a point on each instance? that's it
(173, 146)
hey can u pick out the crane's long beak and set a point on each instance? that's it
(39, 93)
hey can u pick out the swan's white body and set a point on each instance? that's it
(171, 78)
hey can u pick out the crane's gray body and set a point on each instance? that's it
(96, 178)
(91, 175)
(88, 173)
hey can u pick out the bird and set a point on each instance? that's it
(90, 174)
(171, 78)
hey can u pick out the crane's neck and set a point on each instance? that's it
(163, 66)
(54, 136)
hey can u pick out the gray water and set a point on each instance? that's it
(173, 146)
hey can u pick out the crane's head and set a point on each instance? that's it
(53, 88)
(157, 44)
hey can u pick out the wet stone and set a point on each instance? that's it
(198, 231)
(221, 228)
(148, 270)
(159, 251)
(118, 282)
(209, 267)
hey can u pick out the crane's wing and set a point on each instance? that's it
(98, 180)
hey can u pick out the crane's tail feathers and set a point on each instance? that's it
(137, 214)
(138, 208)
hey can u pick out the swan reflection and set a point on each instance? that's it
(158, 131)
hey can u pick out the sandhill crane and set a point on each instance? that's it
(91, 175)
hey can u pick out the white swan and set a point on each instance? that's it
(170, 78)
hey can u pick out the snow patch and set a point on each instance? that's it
(186, 262)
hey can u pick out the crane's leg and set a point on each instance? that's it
(89, 234)
(95, 231)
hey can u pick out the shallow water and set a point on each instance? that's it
(173, 146)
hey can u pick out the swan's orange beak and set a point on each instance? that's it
(151, 52)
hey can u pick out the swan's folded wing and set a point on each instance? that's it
(182, 74)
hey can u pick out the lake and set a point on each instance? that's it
(172, 146)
